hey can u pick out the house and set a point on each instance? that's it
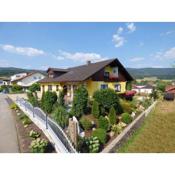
(173, 82)
(170, 89)
(169, 92)
(99, 75)
(17, 76)
(145, 89)
(28, 79)
(4, 81)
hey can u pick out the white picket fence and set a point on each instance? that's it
(51, 129)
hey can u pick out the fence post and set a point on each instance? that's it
(33, 112)
(25, 106)
(46, 122)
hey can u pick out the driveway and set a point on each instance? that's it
(8, 133)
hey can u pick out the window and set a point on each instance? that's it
(106, 74)
(115, 71)
(104, 86)
(57, 87)
(49, 87)
(117, 87)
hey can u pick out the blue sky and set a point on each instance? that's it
(43, 45)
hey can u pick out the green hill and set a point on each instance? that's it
(161, 73)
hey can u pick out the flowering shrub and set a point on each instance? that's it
(38, 145)
(34, 134)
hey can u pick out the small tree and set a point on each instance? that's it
(16, 88)
(80, 101)
(112, 116)
(103, 123)
(34, 87)
(100, 134)
(128, 85)
(126, 118)
(86, 124)
(95, 109)
(48, 100)
(107, 98)
(32, 99)
(61, 98)
(61, 116)
(154, 94)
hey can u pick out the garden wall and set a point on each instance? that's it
(128, 131)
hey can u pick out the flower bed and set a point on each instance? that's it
(106, 128)
(28, 132)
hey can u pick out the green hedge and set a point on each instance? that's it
(126, 118)
(107, 98)
(100, 134)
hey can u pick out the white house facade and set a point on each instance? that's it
(145, 89)
(30, 79)
(17, 76)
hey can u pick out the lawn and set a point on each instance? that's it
(157, 133)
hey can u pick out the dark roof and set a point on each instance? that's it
(169, 88)
(83, 72)
(57, 69)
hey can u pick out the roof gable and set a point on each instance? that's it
(81, 73)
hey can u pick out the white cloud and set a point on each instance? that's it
(118, 40)
(119, 30)
(131, 27)
(167, 33)
(168, 54)
(80, 56)
(118, 37)
(27, 51)
(136, 59)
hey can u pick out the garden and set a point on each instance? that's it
(31, 139)
(101, 119)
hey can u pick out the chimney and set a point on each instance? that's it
(88, 62)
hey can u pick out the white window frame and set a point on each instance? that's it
(117, 87)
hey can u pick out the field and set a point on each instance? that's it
(157, 134)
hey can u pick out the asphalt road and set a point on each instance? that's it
(8, 133)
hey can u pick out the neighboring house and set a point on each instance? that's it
(28, 79)
(99, 75)
(4, 81)
(17, 76)
(173, 82)
(170, 89)
(146, 89)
